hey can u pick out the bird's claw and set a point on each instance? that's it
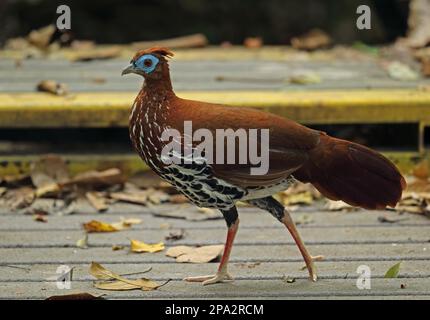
(211, 279)
(311, 267)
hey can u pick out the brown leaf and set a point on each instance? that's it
(16, 180)
(97, 200)
(41, 38)
(119, 283)
(139, 247)
(104, 178)
(422, 170)
(253, 42)
(76, 296)
(137, 197)
(144, 197)
(19, 198)
(195, 255)
(40, 218)
(312, 40)
(47, 172)
(54, 87)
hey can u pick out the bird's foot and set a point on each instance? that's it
(220, 276)
(311, 267)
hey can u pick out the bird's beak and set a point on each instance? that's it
(128, 69)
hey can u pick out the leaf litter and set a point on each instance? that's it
(139, 246)
(201, 254)
(108, 280)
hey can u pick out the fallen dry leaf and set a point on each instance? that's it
(312, 40)
(16, 180)
(131, 221)
(126, 223)
(139, 247)
(202, 254)
(117, 282)
(98, 226)
(302, 198)
(415, 202)
(339, 206)
(95, 179)
(289, 279)
(19, 198)
(76, 296)
(305, 78)
(188, 213)
(253, 42)
(422, 170)
(41, 38)
(48, 169)
(54, 87)
(116, 247)
(40, 218)
(97, 200)
(137, 197)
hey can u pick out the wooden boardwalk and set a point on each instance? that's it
(264, 253)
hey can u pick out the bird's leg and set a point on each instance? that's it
(222, 275)
(309, 260)
(280, 213)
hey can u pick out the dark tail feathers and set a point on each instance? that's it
(343, 170)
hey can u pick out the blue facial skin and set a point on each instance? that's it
(140, 63)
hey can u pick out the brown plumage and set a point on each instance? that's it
(339, 169)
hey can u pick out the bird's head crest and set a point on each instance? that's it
(158, 51)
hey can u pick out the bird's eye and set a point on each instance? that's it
(147, 62)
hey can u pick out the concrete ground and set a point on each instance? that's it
(263, 256)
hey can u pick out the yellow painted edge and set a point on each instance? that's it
(112, 109)
(131, 163)
(128, 163)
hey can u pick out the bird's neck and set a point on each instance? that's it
(161, 84)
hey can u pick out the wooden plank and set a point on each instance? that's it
(274, 252)
(197, 236)
(256, 289)
(240, 271)
(249, 217)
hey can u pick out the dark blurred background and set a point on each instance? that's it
(276, 21)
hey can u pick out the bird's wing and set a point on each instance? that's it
(289, 142)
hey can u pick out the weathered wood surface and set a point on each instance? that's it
(200, 75)
(30, 253)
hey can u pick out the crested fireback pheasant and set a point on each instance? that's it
(339, 169)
